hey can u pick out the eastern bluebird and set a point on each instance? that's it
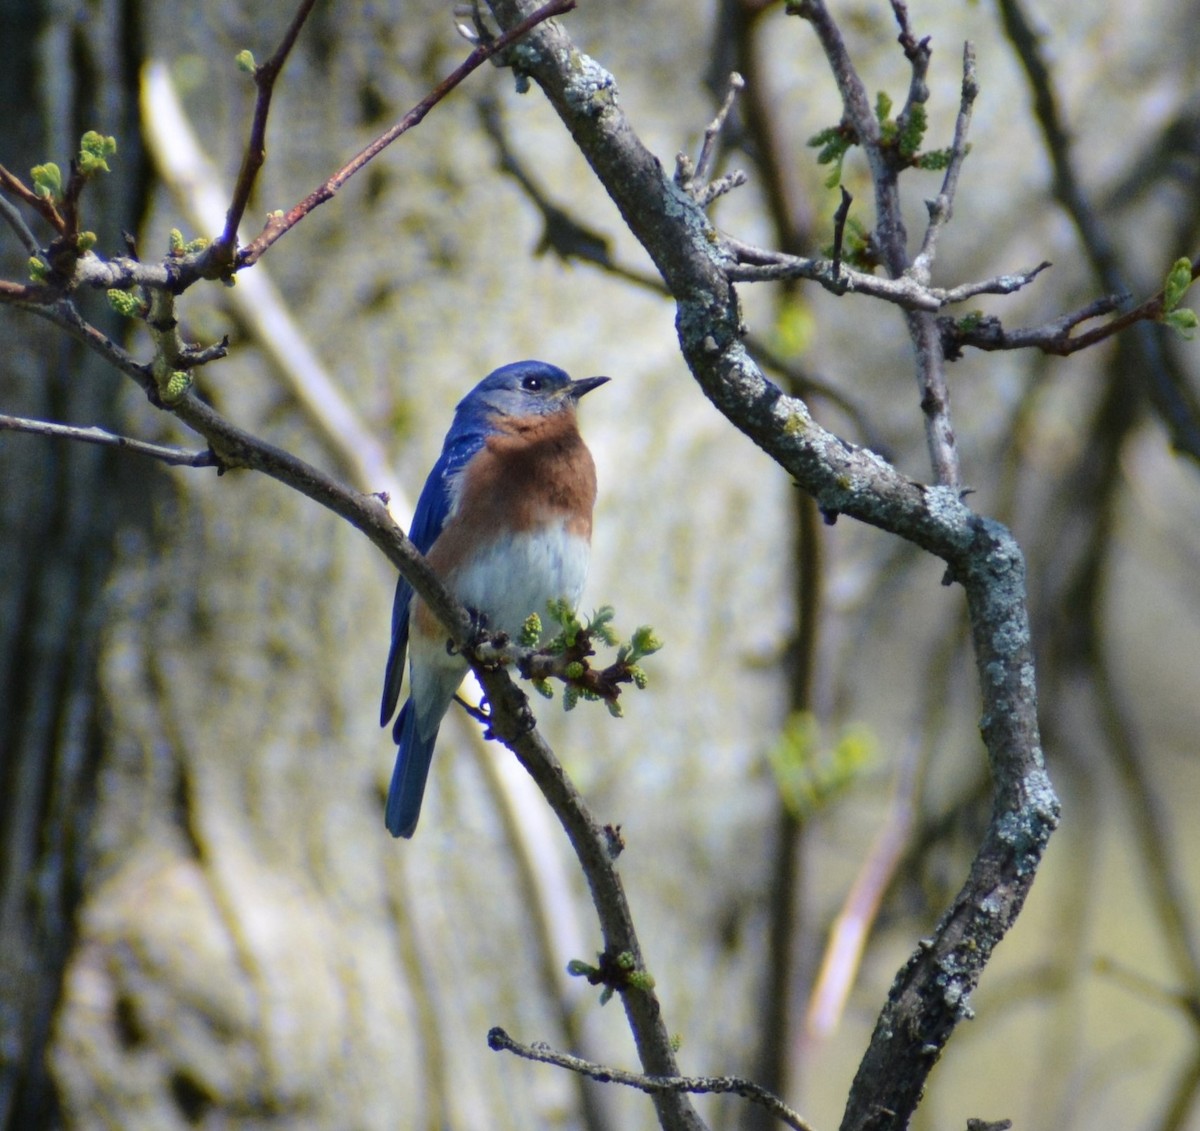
(505, 519)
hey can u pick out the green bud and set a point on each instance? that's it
(577, 968)
(645, 642)
(543, 688)
(47, 180)
(1183, 321)
(126, 304)
(615, 709)
(639, 678)
(531, 631)
(175, 242)
(245, 61)
(85, 241)
(38, 271)
(570, 697)
(176, 385)
(94, 151)
(642, 980)
(1179, 278)
(574, 670)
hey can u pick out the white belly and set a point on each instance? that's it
(519, 573)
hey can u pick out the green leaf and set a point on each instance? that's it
(914, 131)
(934, 160)
(808, 773)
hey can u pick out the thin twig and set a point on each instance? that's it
(42, 205)
(708, 149)
(918, 54)
(760, 265)
(839, 230)
(256, 301)
(177, 457)
(256, 145)
(886, 163)
(16, 221)
(278, 224)
(941, 208)
(500, 1041)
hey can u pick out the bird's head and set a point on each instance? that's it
(526, 388)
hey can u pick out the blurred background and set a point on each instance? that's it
(202, 919)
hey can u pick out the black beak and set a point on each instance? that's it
(585, 385)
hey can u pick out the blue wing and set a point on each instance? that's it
(433, 508)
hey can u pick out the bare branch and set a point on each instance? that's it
(279, 223)
(26, 295)
(708, 150)
(918, 53)
(760, 265)
(16, 221)
(256, 145)
(500, 1041)
(178, 457)
(941, 208)
(256, 300)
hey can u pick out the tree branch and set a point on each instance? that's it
(930, 994)
(886, 164)
(279, 223)
(941, 208)
(500, 1041)
(256, 144)
(178, 457)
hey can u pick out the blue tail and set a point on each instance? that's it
(413, 756)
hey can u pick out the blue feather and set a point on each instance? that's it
(412, 771)
(521, 390)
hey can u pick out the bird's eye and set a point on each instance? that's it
(531, 384)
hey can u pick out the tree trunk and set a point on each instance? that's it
(63, 507)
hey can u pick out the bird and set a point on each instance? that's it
(505, 520)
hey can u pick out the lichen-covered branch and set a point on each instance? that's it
(931, 992)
